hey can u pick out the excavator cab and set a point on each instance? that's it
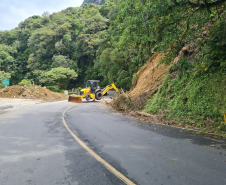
(94, 85)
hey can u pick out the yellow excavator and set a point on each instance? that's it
(92, 91)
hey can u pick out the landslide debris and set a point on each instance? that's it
(146, 83)
(30, 92)
(148, 78)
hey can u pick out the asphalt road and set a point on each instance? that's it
(37, 149)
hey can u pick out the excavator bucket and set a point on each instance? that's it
(75, 99)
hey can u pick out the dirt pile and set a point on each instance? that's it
(123, 102)
(149, 78)
(30, 92)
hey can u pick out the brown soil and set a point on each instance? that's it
(149, 78)
(145, 85)
(30, 92)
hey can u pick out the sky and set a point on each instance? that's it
(12, 12)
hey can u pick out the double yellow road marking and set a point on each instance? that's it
(97, 157)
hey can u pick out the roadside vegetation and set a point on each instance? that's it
(198, 100)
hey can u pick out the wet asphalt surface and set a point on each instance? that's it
(36, 148)
(2, 108)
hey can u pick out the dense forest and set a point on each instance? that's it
(111, 41)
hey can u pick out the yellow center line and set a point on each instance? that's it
(97, 157)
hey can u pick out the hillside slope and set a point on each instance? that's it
(149, 77)
(197, 100)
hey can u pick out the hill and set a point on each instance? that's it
(97, 2)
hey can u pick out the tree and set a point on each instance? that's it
(61, 61)
(5, 61)
(3, 75)
(59, 76)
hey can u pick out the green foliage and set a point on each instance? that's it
(61, 61)
(54, 88)
(198, 100)
(58, 76)
(169, 25)
(6, 60)
(24, 82)
(74, 38)
(184, 67)
(65, 39)
(3, 75)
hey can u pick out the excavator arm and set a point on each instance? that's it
(107, 88)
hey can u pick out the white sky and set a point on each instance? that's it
(12, 12)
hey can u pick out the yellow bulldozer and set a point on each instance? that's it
(92, 91)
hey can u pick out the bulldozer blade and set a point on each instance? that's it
(75, 99)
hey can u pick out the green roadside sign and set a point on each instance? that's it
(5, 81)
